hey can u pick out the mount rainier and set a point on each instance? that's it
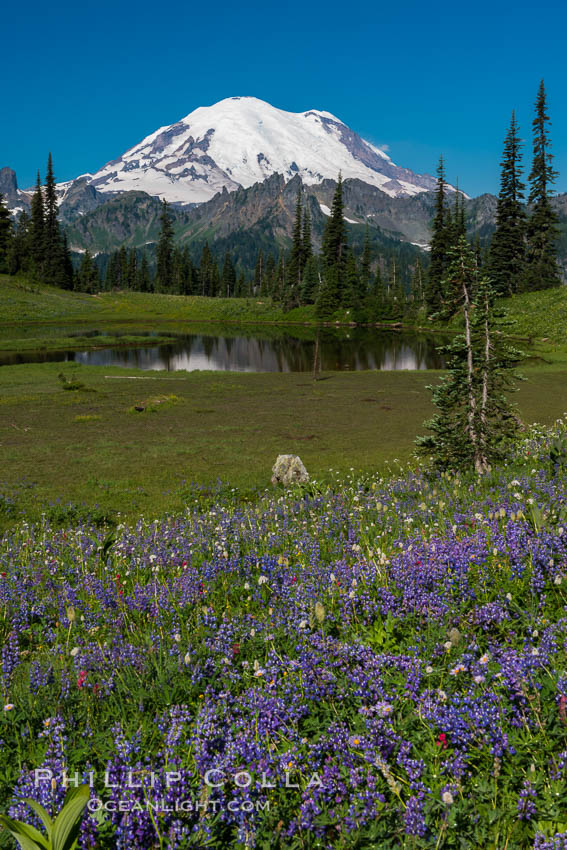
(241, 141)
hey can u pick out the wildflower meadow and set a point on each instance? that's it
(379, 662)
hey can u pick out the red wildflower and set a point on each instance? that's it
(563, 708)
(82, 678)
(442, 741)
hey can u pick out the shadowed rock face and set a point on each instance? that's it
(8, 182)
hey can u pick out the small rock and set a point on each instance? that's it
(288, 470)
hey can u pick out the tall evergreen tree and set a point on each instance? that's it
(164, 267)
(19, 253)
(5, 235)
(228, 278)
(474, 420)
(294, 266)
(306, 239)
(335, 234)
(351, 289)
(417, 285)
(87, 278)
(143, 276)
(507, 247)
(37, 229)
(310, 283)
(57, 268)
(335, 255)
(365, 272)
(541, 271)
(439, 244)
(260, 275)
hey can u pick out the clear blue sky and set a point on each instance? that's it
(87, 81)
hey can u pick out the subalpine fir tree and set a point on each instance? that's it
(5, 235)
(417, 286)
(310, 282)
(205, 269)
(474, 422)
(132, 269)
(87, 279)
(306, 239)
(294, 267)
(164, 251)
(143, 276)
(270, 276)
(260, 274)
(541, 269)
(365, 272)
(351, 288)
(498, 421)
(37, 229)
(335, 251)
(329, 295)
(434, 294)
(335, 241)
(508, 245)
(56, 267)
(228, 278)
(19, 252)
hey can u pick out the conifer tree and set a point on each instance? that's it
(365, 273)
(417, 285)
(306, 239)
(19, 251)
(310, 283)
(294, 267)
(5, 235)
(205, 269)
(143, 277)
(335, 251)
(434, 290)
(507, 248)
(541, 269)
(335, 235)
(474, 421)
(164, 251)
(351, 287)
(132, 273)
(228, 278)
(87, 278)
(55, 267)
(270, 276)
(37, 229)
(260, 274)
(329, 295)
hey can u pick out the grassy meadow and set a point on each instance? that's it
(82, 442)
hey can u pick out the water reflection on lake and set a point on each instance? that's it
(274, 350)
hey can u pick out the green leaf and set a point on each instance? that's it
(28, 837)
(42, 815)
(68, 821)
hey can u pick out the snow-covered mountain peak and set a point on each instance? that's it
(240, 141)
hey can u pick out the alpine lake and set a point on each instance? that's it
(216, 347)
